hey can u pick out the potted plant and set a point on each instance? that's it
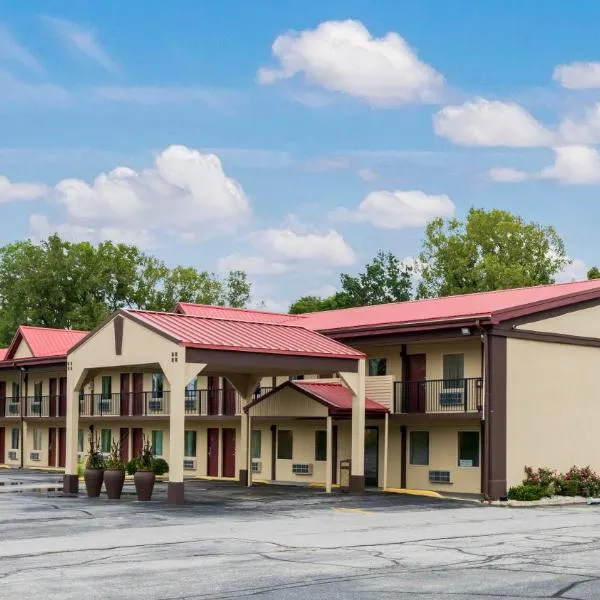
(144, 474)
(93, 474)
(114, 472)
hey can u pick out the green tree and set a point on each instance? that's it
(489, 250)
(76, 285)
(385, 279)
(593, 273)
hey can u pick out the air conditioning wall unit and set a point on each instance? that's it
(189, 464)
(256, 466)
(302, 469)
(439, 477)
(12, 455)
(34, 456)
(451, 397)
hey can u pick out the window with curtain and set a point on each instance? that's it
(37, 439)
(419, 447)
(285, 444)
(106, 387)
(80, 440)
(15, 391)
(157, 442)
(377, 366)
(14, 439)
(37, 391)
(157, 385)
(454, 370)
(320, 445)
(105, 440)
(468, 448)
(256, 443)
(189, 444)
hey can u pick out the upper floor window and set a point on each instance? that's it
(15, 391)
(106, 387)
(157, 385)
(377, 366)
(296, 377)
(453, 370)
(37, 390)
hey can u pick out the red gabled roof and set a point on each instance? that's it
(335, 396)
(44, 342)
(3, 353)
(234, 314)
(243, 336)
(493, 306)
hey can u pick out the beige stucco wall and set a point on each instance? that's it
(553, 406)
(585, 322)
(443, 456)
(22, 350)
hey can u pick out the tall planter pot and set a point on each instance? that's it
(93, 482)
(114, 480)
(144, 484)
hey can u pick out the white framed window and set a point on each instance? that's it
(157, 442)
(37, 439)
(189, 444)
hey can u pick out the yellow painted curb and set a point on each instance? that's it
(428, 493)
(334, 486)
(351, 510)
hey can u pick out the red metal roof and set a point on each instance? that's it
(485, 305)
(335, 396)
(244, 336)
(44, 341)
(234, 314)
(3, 353)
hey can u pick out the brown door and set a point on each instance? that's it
(228, 398)
(52, 402)
(2, 404)
(213, 395)
(228, 452)
(62, 446)
(124, 394)
(2, 445)
(212, 453)
(124, 441)
(62, 397)
(137, 437)
(414, 392)
(52, 447)
(138, 394)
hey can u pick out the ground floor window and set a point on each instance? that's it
(157, 442)
(80, 440)
(468, 448)
(256, 443)
(285, 444)
(189, 443)
(14, 439)
(320, 445)
(105, 440)
(37, 439)
(419, 447)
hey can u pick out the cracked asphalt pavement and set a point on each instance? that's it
(279, 543)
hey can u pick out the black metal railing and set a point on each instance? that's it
(130, 404)
(439, 395)
(46, 406)
(12, 407)
(211, 402)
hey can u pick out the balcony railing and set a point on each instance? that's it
(438, 396)
(132, 404)
(45, 406)
(12, 407)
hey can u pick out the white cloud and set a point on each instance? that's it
(576, 271)
(342, 56)
(82, 41)
(582, 130)
(367, 174)
(398, 209)
(483, 122)
(576, 165)
(504, 175)
(578, 75)
(12, 50)
(22, 191)
(17, 91)
(252, 265)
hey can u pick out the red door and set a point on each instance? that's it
(228, 398)
(212, 454)
(124, 441)
(213, 395)
(52, 447)
(62, 446)
(228, 452)
(415, 393)
(138, 394)
(125, 394)
(2, 404)
(62, 397)
(137, 437)
(2, 447)
(52, 391)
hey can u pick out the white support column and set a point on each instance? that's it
(74, 382)
(328, 464)
(356, 383)
(385, 451)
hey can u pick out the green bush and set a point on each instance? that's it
(527, 492)
(132, 466)
(160, 466)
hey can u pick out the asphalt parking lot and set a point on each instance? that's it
(279, 543)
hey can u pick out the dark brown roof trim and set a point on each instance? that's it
(33, 361)
(550, 338)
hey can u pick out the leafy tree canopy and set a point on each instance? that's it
(593, 273)
(57, 283)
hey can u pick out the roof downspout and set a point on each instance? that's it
(484, 412)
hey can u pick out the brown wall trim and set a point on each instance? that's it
(387, 338)
(118, 325)
(551, 338)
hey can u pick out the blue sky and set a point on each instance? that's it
(294, 140)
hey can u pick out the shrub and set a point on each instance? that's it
(527, 492)
(94, 459)
(160, 466)
(132, 466)
(114, 461)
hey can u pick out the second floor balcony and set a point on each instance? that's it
(46, 406)
(131, 404)
(463, 395)
(10, 408)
